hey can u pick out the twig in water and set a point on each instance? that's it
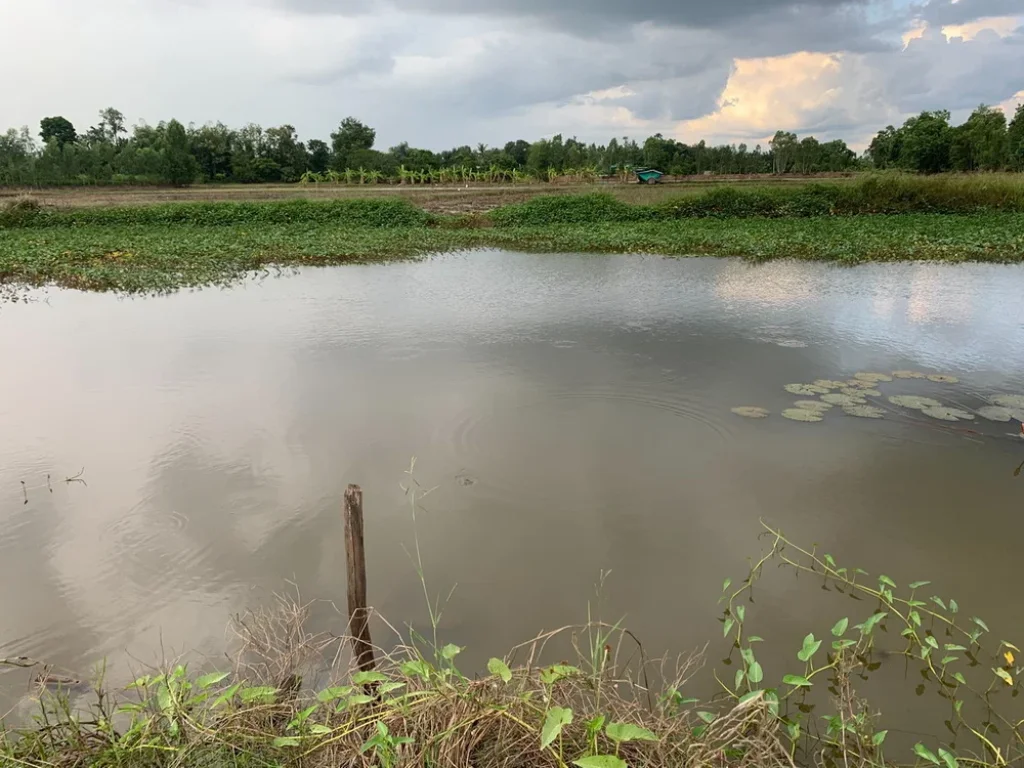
(24, 490)
(77, 478)
(19, 661)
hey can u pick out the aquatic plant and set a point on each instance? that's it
(872, 378)
(942, 378)
(915, 402)
(802, 414)
(750, 412)
(1000, 413)
(813, 405)
(947, 414)
(909, 375)
(1009, 401)
(838, 398)
(864, 411)
(807, 390)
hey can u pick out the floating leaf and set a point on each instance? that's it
(600, 761)
(980, 623)
(556, 719)
(932, 642)
(838, 398)
(740, 674)
(872, 377)
(952, 647)
(949, 660)
(946, 413)
(727, 627)
(938, 602)
(813, 405)
(499, 668)
(995, 413)
(829, 384)
(953, 607)
(840, 628)
(799, 414)
(1008, 655)
(1009, 401)
(864, 411)
(915, 402)
(625, 732)
(919, 584)
(908, 374)
(797, 680)
(750, 412)
(725, 584)
(805, 390)
(959, 678)
(741, 612)
(755, 674)
(1003, 675)
(887, 581)
(941, 378)
(923, 752)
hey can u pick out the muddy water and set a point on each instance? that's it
(571, 411)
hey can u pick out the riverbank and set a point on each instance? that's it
(159, 248)
(291, 698)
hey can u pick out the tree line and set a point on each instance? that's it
(171, 153)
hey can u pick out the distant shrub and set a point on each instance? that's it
(19, 212)
(569, 209)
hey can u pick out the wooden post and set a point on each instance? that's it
(355, 555)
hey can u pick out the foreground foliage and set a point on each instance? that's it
(612, 707)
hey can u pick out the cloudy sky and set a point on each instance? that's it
(438, 73)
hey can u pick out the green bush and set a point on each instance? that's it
(19, 212)
(569, 209)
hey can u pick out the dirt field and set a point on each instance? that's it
(439, 199)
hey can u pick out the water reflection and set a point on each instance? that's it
(587, 397)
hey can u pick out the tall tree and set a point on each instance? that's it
(319, 155)
(926, 142)
(784, 149)
(351, 136)
(180, 168)
(112, 124)
(1015, 139)
(58, 129)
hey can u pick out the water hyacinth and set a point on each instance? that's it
(750, 412)
(915, 402)
(864, 411)
(813, 405)
(948, 414)
(872, 378)
(838, 398)
(806, 390)
(801, 414)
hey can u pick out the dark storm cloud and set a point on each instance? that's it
(943, 12)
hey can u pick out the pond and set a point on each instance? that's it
(166, 462)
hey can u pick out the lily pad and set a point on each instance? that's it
(864, 411)
(872, 378)
(801, 414)
(1009, 401)
(908, 375)
(750, 412)
(948, 414)
(995, 413)
(813, 405)
(860, 393)
(829, 383)
(806, 390)
(838, 398)
(915, 402)
(942, 378)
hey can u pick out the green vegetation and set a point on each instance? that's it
(170, 154)
(610, 707)
(159, 248)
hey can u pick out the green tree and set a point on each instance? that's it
(926, 142)
(784, 150)
(180, 168)
(1015, 139)
(319, 155)
(112, 124)
(885, 149)
(351, 136)
(58, 129)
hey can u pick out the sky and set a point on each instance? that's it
(441, 73)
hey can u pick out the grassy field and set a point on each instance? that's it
(160, 247)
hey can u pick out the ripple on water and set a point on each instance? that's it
(146, 541)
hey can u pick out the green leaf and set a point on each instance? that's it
(830, 561)
(727, 627)
(1003, 675)
(359, 698)
(771, 698)
(948, 758)
(450, 651)
(755, 674)
(811, 647)
(624, 732)
(872, 622)
(887, 581)
(938, 602)
(919, 584)
(953, 606)
(225, 697)
(558, 672)
(932, 642)
(838, 645)
(980, 623)
(286, 741)
(923, 752)
(416, 668)
(748, 696)
(211, 679)
(959, 678)
(337, 692)
(793, 729)
(949, 659)
(840, 628)
(741, 612)
(740, 674)
(755, 639)
(707, 717)
(302, 716)
(389, 687)
(797, 680)
(951, 647)
(163, 698)
(916, 603)
(556, 719)
(748, 655)
(878, 738)
(257, 693)
(915, 617)
(600, 761)
(500, 669)
(365, 678)
(319, 729)
(725, 584)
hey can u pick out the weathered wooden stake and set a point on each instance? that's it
(358, 617)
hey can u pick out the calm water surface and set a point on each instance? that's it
(572, 412)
